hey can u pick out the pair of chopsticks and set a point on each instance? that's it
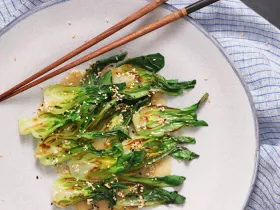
(29, 83)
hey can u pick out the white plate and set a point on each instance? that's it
(223, 176)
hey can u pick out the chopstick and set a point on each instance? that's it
(128, 38)
(130, 19)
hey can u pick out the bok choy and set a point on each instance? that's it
(69, 190)
(106, 131)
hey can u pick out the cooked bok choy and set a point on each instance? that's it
(141, 82)
(69, 190)
(60, 98)
(165, 181)
(93, 73)
(158, 148)
(59, 147)
(136, 153)
(97, 167)
(109, 135)
(41, 125)
(158, 120)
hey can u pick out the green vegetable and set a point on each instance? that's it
(61, 147)
(138, 80)
(158, 148)
(152, 63)
(94, 166)
(128, 108)
(87, 127)
(99, 134)
(129, 161)
(42, 125)
(58, 98)
(166, 181)
(161, 120)
(145, 151)
(81, 115)
(141, 82)
(69, 190)
(184, 154)
(93, 73)
(106, 107)
(106, 79)
(114, 121)
(171, 87)
(151, 197)
(182, 139)
(118, 116)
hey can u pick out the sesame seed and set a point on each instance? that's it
(89, 201)
(107, 185)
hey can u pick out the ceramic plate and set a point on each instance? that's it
(223, 176)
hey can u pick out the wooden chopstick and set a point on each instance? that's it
(128, 38)
(135, 16)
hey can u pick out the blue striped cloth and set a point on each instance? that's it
(253, 44)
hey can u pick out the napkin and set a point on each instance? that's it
(253, 45)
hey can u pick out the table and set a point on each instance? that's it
(269, 9)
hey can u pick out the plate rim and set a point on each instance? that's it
(207, 35)
(245, 87)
